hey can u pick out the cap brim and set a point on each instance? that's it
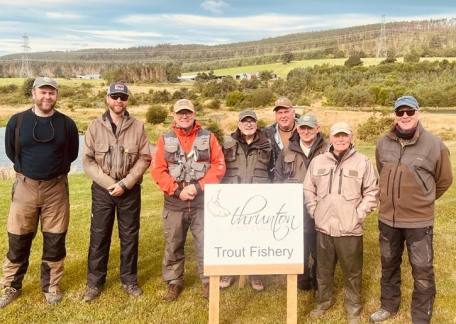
(347, 132)
(183, 108)
(278, 107)
(308, 125)
(46, 85)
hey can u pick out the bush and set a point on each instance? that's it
(163, 96)
(215, 128)
(353, 60)
(156, 114)
(412, 57)
(258, 98)
(27, 87)
(234, 98)
(9, 88)
(213, 104)
(373, 127)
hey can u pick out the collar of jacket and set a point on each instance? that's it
(108, 117)
(126, 122)
(180, 132)
(294, 145)
(259, 140)
(419, 130)
(350, 151)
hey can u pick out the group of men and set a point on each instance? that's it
(341, 187)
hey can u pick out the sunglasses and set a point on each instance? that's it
(122, 97)
(400, 113)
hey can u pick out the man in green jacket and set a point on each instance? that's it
(415, 170)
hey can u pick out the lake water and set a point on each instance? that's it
(76, 166)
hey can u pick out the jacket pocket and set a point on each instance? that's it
(322, 179)
(350, 184)
(13, 190)
(103, 156)
(202, 153)
(171, 152)
(130, 156)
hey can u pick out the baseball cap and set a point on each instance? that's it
(283, 102)
(183, 104)
(247, 113)
(118, 87)
(45, 81)
(340, 127)
(408, 101)
(307, 120)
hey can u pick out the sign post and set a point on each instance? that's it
(253, 229)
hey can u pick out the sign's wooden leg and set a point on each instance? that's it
(242, 280)
(214, 299)
(292, 299)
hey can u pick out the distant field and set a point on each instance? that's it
(282, 69)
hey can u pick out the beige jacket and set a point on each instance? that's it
(124, 156)
(339, 195)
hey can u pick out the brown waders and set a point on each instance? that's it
(33, 201)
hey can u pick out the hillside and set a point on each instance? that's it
(429, 38)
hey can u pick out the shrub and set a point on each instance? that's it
(258, 98)
(234, 98)
(215, 128)
(213, 104)
(161, 96)
(27, 87)
(412, 57)
(9, 88)
(353, 60)
(156, 114)
(373, 127)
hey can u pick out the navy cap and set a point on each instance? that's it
(117, 87)
(408, 101)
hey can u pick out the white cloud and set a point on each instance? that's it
(214, 6)
(62, 15)
(33, 3)
(118, 33)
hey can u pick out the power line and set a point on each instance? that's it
(381, 44)
(25, 71)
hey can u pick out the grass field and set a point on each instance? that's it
(237, 305)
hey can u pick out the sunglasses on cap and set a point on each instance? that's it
(400, 113)
(115, 96)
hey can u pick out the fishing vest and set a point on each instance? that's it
(192, 166)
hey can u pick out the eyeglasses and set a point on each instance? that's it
(249, 121)
(122, 97)
(400, 113)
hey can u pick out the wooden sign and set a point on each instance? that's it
(253, 229)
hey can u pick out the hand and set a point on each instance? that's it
(188, 193)
(116, 190)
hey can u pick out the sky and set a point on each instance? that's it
(64, 25)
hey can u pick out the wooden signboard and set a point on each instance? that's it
(253, 229)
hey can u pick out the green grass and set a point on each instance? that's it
(282, 69)
(237, 305)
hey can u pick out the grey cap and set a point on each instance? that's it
(340, 127)
(45, 81)
(118, 87)
(247, 113)
(408, 101)
(308, 120)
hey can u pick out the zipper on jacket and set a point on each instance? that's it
(330, 180)
(399, 186)
(340, 181)
(394, 180)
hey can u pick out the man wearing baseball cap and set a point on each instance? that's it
(116, 155)
(186, 159)
(291, 166)
(340, 190)
(412, 163)
(248, 158)
(285, 123)
(41, 142)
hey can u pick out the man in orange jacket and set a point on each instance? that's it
(187, 157)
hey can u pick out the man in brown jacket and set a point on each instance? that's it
(116, 154)
(415, 170)
(340, 190)
(291, 166)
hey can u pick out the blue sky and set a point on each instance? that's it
(81, 24)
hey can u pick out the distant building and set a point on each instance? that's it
(186, 78)
(91, 76)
